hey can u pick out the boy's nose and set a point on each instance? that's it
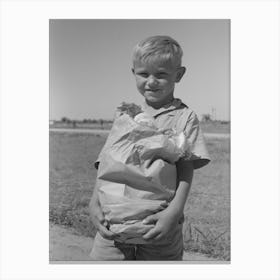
(152, 81)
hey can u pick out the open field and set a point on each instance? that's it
(82, 125)
(215, 127)
(207, 127)
(207, 211)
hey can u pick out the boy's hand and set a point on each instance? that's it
(98, 220)
(165, 223)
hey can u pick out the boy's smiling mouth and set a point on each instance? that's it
(151, 90)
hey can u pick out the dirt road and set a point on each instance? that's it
(66, 246)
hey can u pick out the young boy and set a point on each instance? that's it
(157, 68)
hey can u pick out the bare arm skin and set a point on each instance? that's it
(166, 219)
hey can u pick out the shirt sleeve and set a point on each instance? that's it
(199, 154)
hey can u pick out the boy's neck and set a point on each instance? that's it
(161, 104)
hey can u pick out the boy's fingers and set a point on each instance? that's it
(164, 204)
(106, 233)
(151, 234)
(150, 220)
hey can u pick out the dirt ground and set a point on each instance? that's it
(66, 246)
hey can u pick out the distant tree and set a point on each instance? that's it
(101, 121)
(64, 119)
(206, 118)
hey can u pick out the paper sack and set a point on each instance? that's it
(137, 174)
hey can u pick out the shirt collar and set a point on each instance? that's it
(173, 105)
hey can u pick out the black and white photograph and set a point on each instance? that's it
(139, 140)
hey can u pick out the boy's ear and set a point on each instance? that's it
(132, 70)
(180, 73)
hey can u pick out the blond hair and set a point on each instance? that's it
(157, 48)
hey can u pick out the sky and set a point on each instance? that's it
(90, 65)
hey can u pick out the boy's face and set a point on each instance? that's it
(156, 81)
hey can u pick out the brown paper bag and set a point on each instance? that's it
(137, 176)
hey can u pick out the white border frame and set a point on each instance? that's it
(254, 138)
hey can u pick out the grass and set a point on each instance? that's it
(207, 211)
(215, 127)
(207, 127)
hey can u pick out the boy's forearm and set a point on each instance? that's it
(178, 202)
(184, 178)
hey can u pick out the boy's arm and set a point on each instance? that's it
(168, 218)
(97, 216)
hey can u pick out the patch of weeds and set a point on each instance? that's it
(206, 241)
(77, 219)
(61, 217)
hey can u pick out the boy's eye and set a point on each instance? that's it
(161, 75)
(143, 74)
